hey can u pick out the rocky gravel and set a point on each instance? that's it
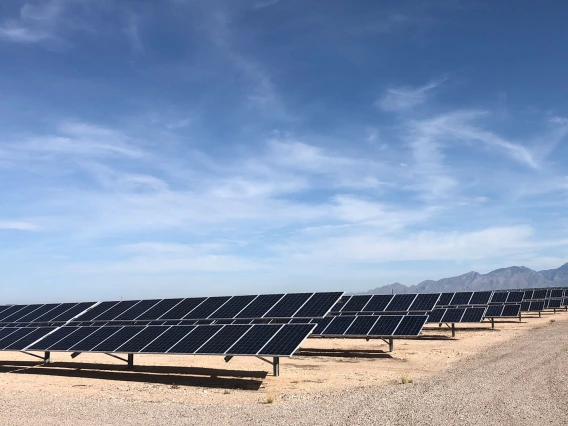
(520, 381)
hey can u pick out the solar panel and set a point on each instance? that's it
(136, 310)
(337, 307)
(322, 323)
(515, 297)
(424, 302)
(22, 311)
(361, 326)
(287, 340)
(539, 294)
(142, 339)
(318, 305)
(386, 325)
(97, 310)
(536, 306)
(73, 338)
(511, 311)
(64, 312)
(557, 293)
(117, 339)
(288, 305)
(378, 303)
(554, 303)
(168, 339)
(256, 338)
(453, 315)
(48, 341)
(24, 337)
(400, 303)
(356, 303)
(436, 315)
(232, 307)
(565, 301)
(260, 306)
(339, 325)
(411, 325)
(205, 309)
(95, 338)
(494, 311)
(480, 297)
(461, 298)
(473, 315)
(36, 313)
(195, 339)
(500, 297)
(445, 299)
(528, 295)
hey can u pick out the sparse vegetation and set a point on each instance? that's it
(270, 398)
(405, 380)
(174, 386)
(226, 392)
(552, 320)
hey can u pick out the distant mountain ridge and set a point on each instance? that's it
(504, 278)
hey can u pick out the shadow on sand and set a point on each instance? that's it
(180, 376)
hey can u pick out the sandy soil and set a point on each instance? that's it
(329, 370)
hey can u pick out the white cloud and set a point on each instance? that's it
(17, 225)
(397, 99)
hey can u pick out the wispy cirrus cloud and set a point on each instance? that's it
(17, 225)
(398, 99)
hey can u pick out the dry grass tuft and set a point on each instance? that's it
(226, 392)
(174, 386)
(405, 380)
(270, 398)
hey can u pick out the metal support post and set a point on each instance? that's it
(453, 330)
(539, 314)
(130, 361)
(492, 322)
(47, 357)
(276, 366)
(520, 316)
(554, 310)
(391, 344)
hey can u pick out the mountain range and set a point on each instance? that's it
(504, 278)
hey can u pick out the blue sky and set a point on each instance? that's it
(178, 148)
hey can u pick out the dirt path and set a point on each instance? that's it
(519, 381)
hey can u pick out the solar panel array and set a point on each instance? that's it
(465, 298)
(370, 326)
(291, 305)
(386, 303)
(457, 315)
(267, 340)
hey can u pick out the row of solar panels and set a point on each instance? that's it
(542, 293)
(266, 340)
(291, 305)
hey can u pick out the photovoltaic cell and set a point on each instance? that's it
(20, 313)
(94, 339)
(539, 294)
(554, 303)
(29, 338)
(536, 306)
(528, 295)
(158, 309)
(55, 311)
(556, 293)
(13, 336)
(38, 312)
(378, 303)
(71, 313)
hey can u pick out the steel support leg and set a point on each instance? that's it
(391, 344)
(492, 322)
(130, 361)
(520, 316)
(539, 314)
(47, 358)
(453, 330)
(276, 366)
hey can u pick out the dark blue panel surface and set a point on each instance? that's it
(318, 305)
(480, 298)
(400, 303)
(158, 310)
(386, 325)
(197, 338)
(356, 303)
(254, 340)
(224, 339)
(260, 306)
(209, 306)
(142, 339)
(424, 302)
(287, 340)
(361, 326)
(117, 339)
(410, 325)
(288, 305)
(168, 339)
(378, 303)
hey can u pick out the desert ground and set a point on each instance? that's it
(514, 374)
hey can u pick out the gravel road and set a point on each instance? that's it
(521, 381)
